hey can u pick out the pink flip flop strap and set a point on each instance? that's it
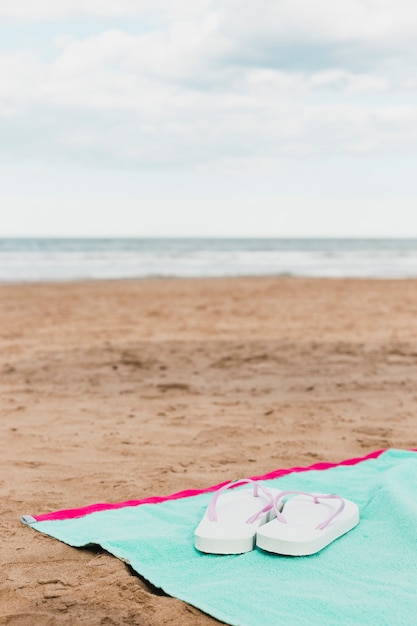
(316, 498)
(211, 509)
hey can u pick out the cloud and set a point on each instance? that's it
(287, 21)
(303, 21)
(222, 83)
(359, 35)
(49, 10)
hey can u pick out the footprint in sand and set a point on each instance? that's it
(166, 387)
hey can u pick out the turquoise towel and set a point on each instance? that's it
(368, 576)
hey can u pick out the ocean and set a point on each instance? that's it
(28, 260)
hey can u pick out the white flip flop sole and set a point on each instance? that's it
(299, 536)
(231, 533)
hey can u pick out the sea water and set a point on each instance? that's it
(23, 260)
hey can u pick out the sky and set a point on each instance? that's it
(208, 118)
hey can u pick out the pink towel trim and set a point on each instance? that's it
(94, 508)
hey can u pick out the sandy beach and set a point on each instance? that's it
(118, 390)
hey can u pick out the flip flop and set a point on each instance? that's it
(233, 516)
(307, 524)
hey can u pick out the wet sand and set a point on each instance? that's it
(112, 391)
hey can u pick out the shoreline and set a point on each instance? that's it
(116, 390)
(225, 277)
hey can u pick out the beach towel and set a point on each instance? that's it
(368, 576)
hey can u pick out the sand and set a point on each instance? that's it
(112, 391)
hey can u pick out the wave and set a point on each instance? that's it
(27, 260)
